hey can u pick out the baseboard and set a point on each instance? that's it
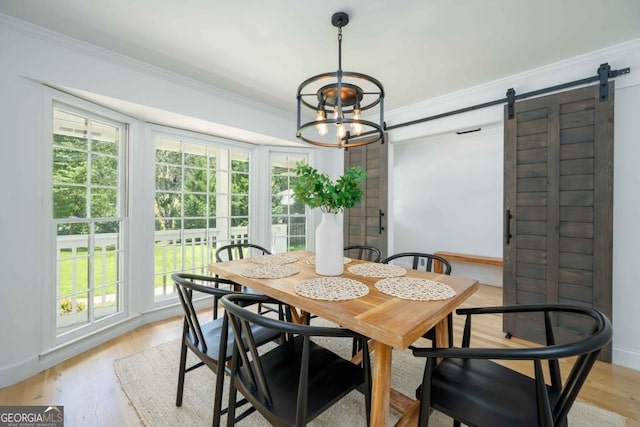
(15, 373)
(626, 357)
(10, 375)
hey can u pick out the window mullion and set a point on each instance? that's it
(182, 210)
(91, 271)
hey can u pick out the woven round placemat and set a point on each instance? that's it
(331, 289)
(374, 269)
(270, 271)
(415, 289)
(312, 260)
(275, 259)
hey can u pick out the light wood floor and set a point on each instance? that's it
(89, 390)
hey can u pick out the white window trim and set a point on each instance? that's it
(265, 190)
(50, 340)
(156, 130)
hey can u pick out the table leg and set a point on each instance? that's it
(381, 387)
(442, 333)
(410, 416)
(299, 318)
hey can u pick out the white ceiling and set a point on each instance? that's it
(418, 49)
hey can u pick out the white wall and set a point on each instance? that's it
(455, 198)
(626, 227)
(468, 218)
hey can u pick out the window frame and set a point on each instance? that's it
(51, 338)
(287, 215)
(311, 217)
(218, 143)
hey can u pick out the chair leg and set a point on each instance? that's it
(231, 411)
(217, 400)
(220, 372)
(423, 417)
(424, 393)
(181, 371)
(366, 365)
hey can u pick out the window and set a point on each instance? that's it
(201, 203)
(288, 219)
(88, 192)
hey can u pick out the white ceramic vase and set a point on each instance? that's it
(329, 247)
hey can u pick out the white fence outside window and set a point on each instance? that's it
(167, 245)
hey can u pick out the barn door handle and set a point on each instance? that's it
(380, 227)
(507, 221)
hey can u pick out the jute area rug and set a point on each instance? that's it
(149, 380)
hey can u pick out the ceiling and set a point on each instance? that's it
(418, 49)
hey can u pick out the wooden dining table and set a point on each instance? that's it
(389, 322)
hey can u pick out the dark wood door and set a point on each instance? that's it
(365, 224)
(558, 200)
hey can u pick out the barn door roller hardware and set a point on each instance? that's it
(604, 73)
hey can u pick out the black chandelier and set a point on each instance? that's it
(338, 100)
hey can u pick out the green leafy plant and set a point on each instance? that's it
(316, 189)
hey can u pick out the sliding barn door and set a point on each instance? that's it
(365, 224)
(558, 201)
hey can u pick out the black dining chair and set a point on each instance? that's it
(235, 251)
(239, 251)
(426, 262)
(363, 252)
(296, 381)
(210, 341)
(469, 385)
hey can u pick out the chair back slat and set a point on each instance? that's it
(574, 383)
(545, 415)
(251, 367)
(191, 317)
(256, 363)
(554, 365)
(466, 334)
(580, 369)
